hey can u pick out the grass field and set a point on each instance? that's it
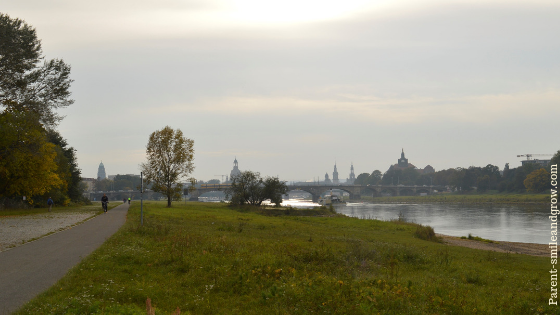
(206, 258)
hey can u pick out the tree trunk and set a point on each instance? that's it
(168, 201)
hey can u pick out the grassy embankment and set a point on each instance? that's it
(209, 259)
(467, 198)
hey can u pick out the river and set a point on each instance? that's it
(499, 222)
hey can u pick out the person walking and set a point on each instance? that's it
(128, 200)
(50, 203)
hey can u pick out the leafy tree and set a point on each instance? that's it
(274, 189)
(68, 163)
(375, 177)
(482, 183)
(28, 164)
(555, 159)
(249, 188)
(170, 158)
(537, 181)
(362, 179)
(25, 83)
(214, 181)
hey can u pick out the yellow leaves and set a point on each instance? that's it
(29, 167)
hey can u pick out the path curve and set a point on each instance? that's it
(29, 269)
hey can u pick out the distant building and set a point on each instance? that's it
(101, 172)
(335, 175)
(543, 163)
(327, 179)
(89, 183)
(403, 164)
(352, 178)
(235, 171)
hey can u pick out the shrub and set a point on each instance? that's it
(427, 233)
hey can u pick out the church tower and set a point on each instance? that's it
(327, 180)
(335, 175)
(101, 172)
(352, 178)
(403, 162)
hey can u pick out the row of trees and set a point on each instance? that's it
(120, 182)
(530, 176)
(35, 160)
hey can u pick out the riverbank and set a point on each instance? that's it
(532, 249)
(211, 259)
(466, 199)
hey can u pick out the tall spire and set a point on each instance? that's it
(335, 174)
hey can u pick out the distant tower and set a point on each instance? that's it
(335, 175)
(327, 180)
(352, 175)
(235, 171)
(403, 162)
(101, 172)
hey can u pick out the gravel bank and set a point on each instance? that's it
(18, 230)
(532, 249)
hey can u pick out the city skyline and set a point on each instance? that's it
(290, 87)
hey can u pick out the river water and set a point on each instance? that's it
(499, 222)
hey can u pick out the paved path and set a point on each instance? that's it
(29, 269)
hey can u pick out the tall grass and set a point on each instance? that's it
(209, 259)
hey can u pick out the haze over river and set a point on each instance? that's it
(499, 222)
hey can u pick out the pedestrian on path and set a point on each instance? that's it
(50, 203)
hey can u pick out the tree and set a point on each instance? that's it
(170, 159)
(27, 160)
(274, 189)
(25, 83)
(67, 163)
(555, 159)
(249, 188)
(362, 179)
(537, 181)
(375, 177)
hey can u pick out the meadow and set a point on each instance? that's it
(206, 258)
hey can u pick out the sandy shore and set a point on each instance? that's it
(532, 249)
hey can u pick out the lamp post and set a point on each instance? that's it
(141, 198)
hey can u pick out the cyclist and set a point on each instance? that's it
(104, 202)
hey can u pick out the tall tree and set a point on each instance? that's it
(27, 160)
(67, 163)
(170, 159)
(27, 81)
(537, 181)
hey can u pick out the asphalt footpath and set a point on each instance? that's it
(29, 269)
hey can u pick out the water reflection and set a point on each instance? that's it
(512, 223)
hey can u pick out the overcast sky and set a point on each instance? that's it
(289, 87)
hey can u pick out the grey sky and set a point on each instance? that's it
(289, 87)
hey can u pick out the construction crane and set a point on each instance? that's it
(222, 177)
(529, 156)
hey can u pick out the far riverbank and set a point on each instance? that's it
(465, 199)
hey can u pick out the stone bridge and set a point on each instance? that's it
(356, 192)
